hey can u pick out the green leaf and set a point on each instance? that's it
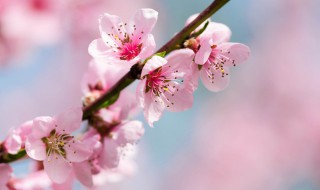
(110, 101)
(161, 54)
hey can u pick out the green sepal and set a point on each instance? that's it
(110, 101)
(196, 34)
(161, 54)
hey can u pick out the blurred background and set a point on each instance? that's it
(261, 133)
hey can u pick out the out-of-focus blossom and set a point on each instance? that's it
(125, 42)
(36, 180)
(17, 137)
(29, 23)
(52, 143)
(5, 175)
(166, 84)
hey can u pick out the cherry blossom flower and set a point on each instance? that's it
(5, 175)
(52, 143)
(125, 42)
(215, 55)
(166, 85)
(17, 137)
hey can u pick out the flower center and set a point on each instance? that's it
(129, 50)
(161, 85)
(55, 143)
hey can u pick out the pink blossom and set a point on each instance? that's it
(36, 180)
(118, 135)
(214, 55)
(84, 170)
(125, 42)
(5, 175)
(98, 79)
(52, 143)
(166, 85)
(17, 137)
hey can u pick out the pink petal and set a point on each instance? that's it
(69, 120)
(42, 126)
(204, 52)
(57, 168)
(152, 110)
(92, 76)
(25, 129)
(98, 48)
(181, 60)
(77, 151)
(110, 155)
(129, 132)
(113, 25)
(218, 83)
(152, 64)
(148, 47)
(35, 148)
(13, 142)
(192, 17)
(234, 51)
(5, 175)
(83, 173)
(144, 20)
(217, 32)
(182, 99)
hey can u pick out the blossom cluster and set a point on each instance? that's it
(67, 148)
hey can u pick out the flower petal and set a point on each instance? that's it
(99, 48)
(129, 132)
(13, 142)
(152, 106)
(148, 47)
(69, 120)
(144, 21)
(216, 83)
(35, 148)
(77, 151)
(182, 99)
(236, 52)
(204, 52)
(111, 28)
(83, 173)
(110, 155)
(42, 126)
(152, 64)
(217, 32)
(5, 175)
(180, 59)
(57, 168)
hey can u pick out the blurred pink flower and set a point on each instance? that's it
(5, 175)
(17, 137)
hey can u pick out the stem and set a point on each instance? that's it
(136, 69)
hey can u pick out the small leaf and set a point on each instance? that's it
(161, 54)
(196, 34)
